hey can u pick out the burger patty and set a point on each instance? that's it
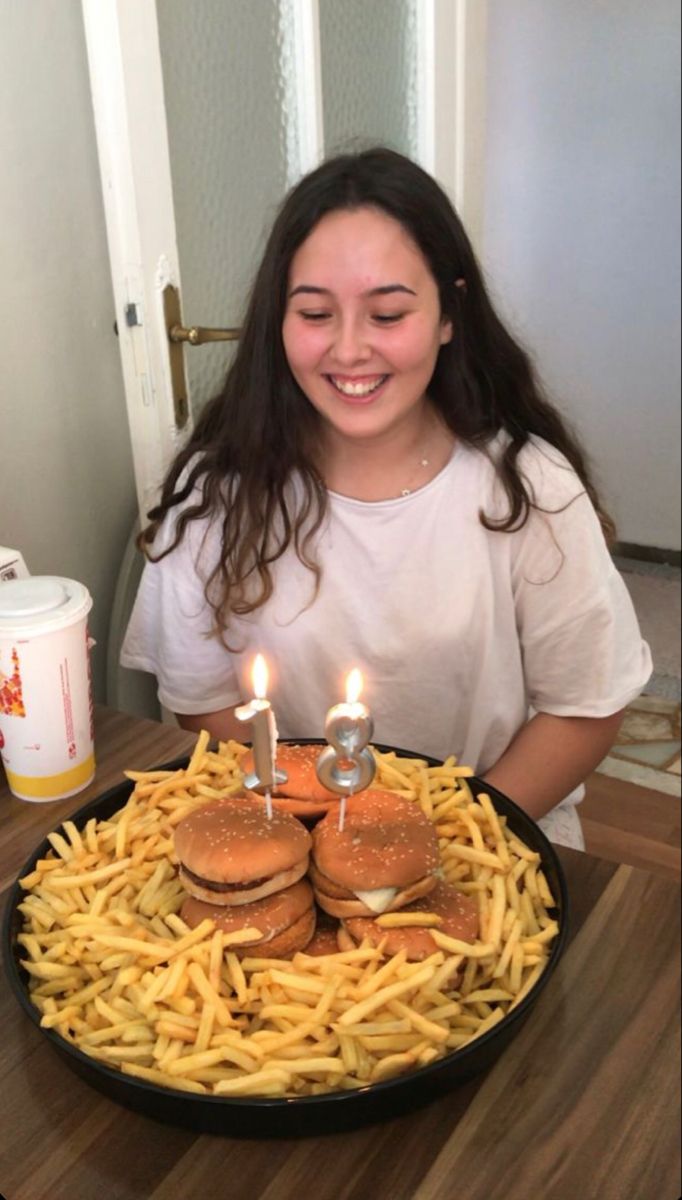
(213, 886)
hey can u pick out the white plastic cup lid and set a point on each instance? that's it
(41, 603)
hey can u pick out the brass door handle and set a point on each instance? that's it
(198, 335)
(178, 334)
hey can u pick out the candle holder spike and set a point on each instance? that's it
(253, 783)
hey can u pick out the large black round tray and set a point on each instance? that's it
(304, 1115)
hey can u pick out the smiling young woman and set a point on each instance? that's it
(362, 331)
(382, 483)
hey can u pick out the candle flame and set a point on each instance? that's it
(353, 686)
(259, 677)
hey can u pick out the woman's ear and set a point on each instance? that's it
(445, 331)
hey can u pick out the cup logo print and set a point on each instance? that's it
(11, 690)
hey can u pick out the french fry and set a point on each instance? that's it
(497, 911)
(544, 891)
(66, 882)
(222, 1013)
(402, 919)
(528, 983)
(389, 992)
(162, 1078)
(198, 753)
(240, 936)
(472, 855)
(433, 1031)
(267, 1082)
(467, 949)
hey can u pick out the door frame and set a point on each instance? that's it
(122, 40)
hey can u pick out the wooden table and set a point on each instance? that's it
(583, 1103)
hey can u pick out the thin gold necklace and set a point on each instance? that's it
(422, 464)
(416, 479)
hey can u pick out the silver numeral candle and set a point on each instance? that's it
(346, 765)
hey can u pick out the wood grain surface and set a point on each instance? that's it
(584, 1103)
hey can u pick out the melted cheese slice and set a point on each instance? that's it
(378, 899)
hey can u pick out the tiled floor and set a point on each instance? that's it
(647, 749)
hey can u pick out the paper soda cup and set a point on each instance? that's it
(46, 728)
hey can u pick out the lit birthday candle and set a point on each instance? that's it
(346, 765)
(258, 713)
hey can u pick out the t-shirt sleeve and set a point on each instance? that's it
(170, 632)
(583, 653)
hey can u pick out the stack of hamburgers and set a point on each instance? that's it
(386, 859)
(245, 871)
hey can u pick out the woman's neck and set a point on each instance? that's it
(399, 461)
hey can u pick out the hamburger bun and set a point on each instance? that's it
(459, 915)
(324, 942)
(302, 795)
(387, 852)
(286, 920)
(342, 902)
(229, 853)
(327, 931)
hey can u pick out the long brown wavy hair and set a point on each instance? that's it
(261, 430)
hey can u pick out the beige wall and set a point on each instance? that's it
(66, 481)
(582, 230)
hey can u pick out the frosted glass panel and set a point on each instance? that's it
(230, 131)
(369, 73)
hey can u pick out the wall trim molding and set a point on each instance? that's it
(654, 554)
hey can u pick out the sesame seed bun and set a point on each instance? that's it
(230, 853)
(324, 942)
(290, 941)
(302, 795)
(286, 920)
(459, 915)
(386, 842)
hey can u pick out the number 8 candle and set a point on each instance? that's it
(346, 766)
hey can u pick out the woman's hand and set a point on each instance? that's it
(550, 756)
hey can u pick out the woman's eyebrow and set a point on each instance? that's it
(386, 289)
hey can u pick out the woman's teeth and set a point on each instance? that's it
(347, 388)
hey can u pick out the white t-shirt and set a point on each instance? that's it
(460, 632)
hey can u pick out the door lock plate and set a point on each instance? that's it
(173, 317)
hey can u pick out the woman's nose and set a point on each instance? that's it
(350, 343)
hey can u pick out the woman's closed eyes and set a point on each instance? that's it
(379, 318)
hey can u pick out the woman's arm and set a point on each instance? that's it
(550, 756)
(221, 724)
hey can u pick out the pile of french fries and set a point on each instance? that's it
(115, 971)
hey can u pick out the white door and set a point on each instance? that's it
(206, 111)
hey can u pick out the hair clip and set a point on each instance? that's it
(461, 283)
